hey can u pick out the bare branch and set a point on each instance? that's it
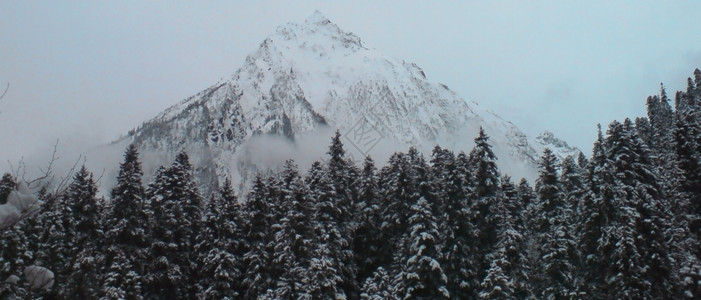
(45, 173)
(98, 180)
(5, 92)
(63, 183)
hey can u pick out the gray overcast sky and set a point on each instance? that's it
(89, 71)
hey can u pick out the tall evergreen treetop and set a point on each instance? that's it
(484, 166)
(84, 207)
(127, 223)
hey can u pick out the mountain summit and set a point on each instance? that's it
(305, 81)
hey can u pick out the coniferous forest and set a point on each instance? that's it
(624, 223)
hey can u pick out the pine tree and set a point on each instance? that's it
(220, 271)
(458, 260)
(421, 274)
(323, 278)
(634, 242)
(397, 193)
(574, 187)
(82, 225)
(512, 236)
(127, 222)
(122, 279)
(554, 278)
(378, 286)
(15, 255)
(219, 246)
(661, 119)
(507, 274)
(293, 234)
(366, 246)
(176, 220)
(485, 195)
(126, 231)
(13, 245)
(258, 216)
(342, 174)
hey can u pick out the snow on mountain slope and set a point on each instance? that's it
(307, 80)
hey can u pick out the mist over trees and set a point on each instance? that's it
(624, 223)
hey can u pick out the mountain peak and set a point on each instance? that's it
(316, 30)
(310, 77)
(317, 18)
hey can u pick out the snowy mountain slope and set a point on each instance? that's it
(307, 80)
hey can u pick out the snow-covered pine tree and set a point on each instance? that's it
(421, 275)
(687, 137)
(126, 223)
(506, 276)
(512, 237)
(15, 255)
(421, 177)
(485, 195)
(457, 258)
(176, 221)
(661, 119)
(126, 227)
(554, 276)
(53, 246)
(366, 246)
(258, 217)
(442, 167)
(220, 272)
(342, 175)
(596, 211)
(82, 280)
(293, 234)
(574, 186)
(122, 279)
(634, 242)
(324, 278)
(498, 284)
(219, 245)
(397, 193)
(378, 286)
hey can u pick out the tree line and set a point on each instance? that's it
(621, 224)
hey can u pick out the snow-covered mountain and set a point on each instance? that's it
(309, 79)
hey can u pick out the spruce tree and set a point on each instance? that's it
(258, 217)
(126, 231)
(421, 275)
(485, 195)
(82, 218)
(176, 221)
(219, 246)
(397, 193)
(554, 277)
(342, 175)
(458, 254)
(367, 241)
(507, 274)
(634, 241)
(378, 286)
(15, 255)
(292, 234)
